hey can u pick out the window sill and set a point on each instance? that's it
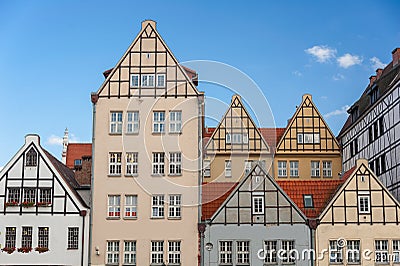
(115, 133)
(282, 176)
(315, 176)
(174, 218)
(158, 133)
(175, 133)
(131, 175)
(157, 175)
(157, 218)
(72, 248)
(294, 176)
(173, 175)
(132, 133)
(130, 218)
(113, 218)
(118, 175)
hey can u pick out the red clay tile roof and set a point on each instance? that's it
(349, 172)
(321, 190)
(76, 151)
(213, 195)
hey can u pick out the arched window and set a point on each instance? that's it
(31, 158)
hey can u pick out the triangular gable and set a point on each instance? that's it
(237, 121)
(308, 120)
(278, 207)
(344, 209)
(148, 54)
(44, 174)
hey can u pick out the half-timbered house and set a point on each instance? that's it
(44, 220)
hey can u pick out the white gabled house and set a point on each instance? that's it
(44, 219)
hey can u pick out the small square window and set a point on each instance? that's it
(308, 201)
(135, 81)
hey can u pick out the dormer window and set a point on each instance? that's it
(354, 114)
(308, 201)
(78, 162)
(374, 94)
(31, 158)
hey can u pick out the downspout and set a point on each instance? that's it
(312, 246)
(200, 171)
(94, 99)
(83, 214)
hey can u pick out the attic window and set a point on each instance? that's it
(354, 114)
(308, 201)
(31, 158)
(78, 162)
(374, 94)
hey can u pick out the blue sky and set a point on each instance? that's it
(53, 53)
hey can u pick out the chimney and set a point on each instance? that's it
(147, 22)
(65, 145)
(396, 56)
(372, 80)
(32, 138)
(378, 73)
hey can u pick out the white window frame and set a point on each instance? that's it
(116, 122)
(129, 252)
(132, 163)
(174, 252)
(282, 168)
(157, 252)
(225, 252)
(114, 206)
(158, 165)
(132, 83)
(294, 168)
(364, 203)
(130, 206)
(132, 122)
(29, 195)
(335, 252)
(175, 121)
(43, 237)
(228, 168)
(315, 169)
(308, 198)
(327, 168)
(258, 204)
(174, 207)
(353, 251)
(271, 248)
(175, 163)
(11, 237)
(308, 138)
(45, 196)
(158, 121)
(396, 250)
(147, 81)
(114, 164)
(247, 166)
(381, 253)
(73, 237)
(14, 195)
(287, 246)
(228, 138)
(207, 168)
(162, 85)
(157, 206)
(243, 252)
(26, 236)
(112, 253)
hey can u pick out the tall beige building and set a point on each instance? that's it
(147, 130)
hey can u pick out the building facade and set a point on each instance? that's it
(44, 220)
(147, 131)
(308, 150)
(372, 129)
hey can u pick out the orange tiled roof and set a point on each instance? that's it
(348, 173)
(321, 190)
(213, 195)
(76, 151)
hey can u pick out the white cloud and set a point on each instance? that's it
(324, 97)
(322, 53)
(338, 76)
(376, 63)
(337, 112)
(58, 141)
(349, 60)
(297, 73)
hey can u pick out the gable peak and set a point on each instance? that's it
(146, 22)
(32, 138)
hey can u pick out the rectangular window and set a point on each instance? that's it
(355, 145)
(247, 166)
(132, 122)
(335, 252)
(14, 195)
(352, 148)
(228, 138)
(396, 251)
(161, 80)
(157, 206)
(327, 168)
(45, 196)
(29, 195)
(43, 237)
(114, 206)
(308, 201)
(134, 81)
(116, 122)
(258, 205)
(287, 247)
(364, 204)
(243, 252)
(26, 239)
(370, 134)
(377, 166)
(157, 252)
(282, 172)
(175, 121)
(129, 252)
(381, 126)
(383, 163)
(294, 168)
(174, 208)
(175, 163)
(114, 166)
(11, 234)
(371, 165)
(228, 168)
(308, 138)
(270, 248)
(174, 252)
(130, 206)
(158, 163)
(147, 80)
(315, 171)
(225, 252)
(132, 163)
(353, 251)
(376, 130)
(112, 253)
(78, 162)
(381, 251)
(158, 122)
(207, 168)
(73, 237)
